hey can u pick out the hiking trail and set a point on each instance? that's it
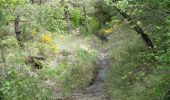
(96, 89)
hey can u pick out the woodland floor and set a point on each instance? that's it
(96, 89)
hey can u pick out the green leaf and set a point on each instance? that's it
(7, 83)
(139, 23)
(168, 34)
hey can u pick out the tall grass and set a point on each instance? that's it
(134, 74)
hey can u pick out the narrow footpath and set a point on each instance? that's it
(95, 90)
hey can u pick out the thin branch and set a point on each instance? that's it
(136, 27)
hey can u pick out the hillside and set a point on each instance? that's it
(84, 50)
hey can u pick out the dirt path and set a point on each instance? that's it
(96, 90)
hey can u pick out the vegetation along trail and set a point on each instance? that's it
(84, 49)
(96, 89)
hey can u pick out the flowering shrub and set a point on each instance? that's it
(107, 31)
(46, 38)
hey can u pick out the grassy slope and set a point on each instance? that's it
(75, 70)
(132, 75)
(68, 66)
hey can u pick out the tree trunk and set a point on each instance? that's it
(17, 31)
(137, 28)
(67, 16)
(85, 16)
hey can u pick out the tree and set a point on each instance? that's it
(67, 15)
(134, 24)
(85, 16)
(136, 27)
(3, 22)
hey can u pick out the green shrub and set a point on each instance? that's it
(20, 86)
(76, 17)
(93, 24)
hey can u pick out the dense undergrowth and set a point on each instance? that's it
(61, 71)
(50, 63)
(134, 73)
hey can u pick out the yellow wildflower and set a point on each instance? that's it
(107, 31)
(46, 38)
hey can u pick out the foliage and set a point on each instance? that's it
(103, 11)
(76, 17)
(143, 74)
(19, 83)
(142, 80)
(68, 62)
(18, 87)
(51, 18)
(93, 23)
(13, 3)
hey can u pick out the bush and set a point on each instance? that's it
(93, 24)
(20, 86)
(76, 17)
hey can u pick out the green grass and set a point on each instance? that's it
(60, 73)
(134, 74)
